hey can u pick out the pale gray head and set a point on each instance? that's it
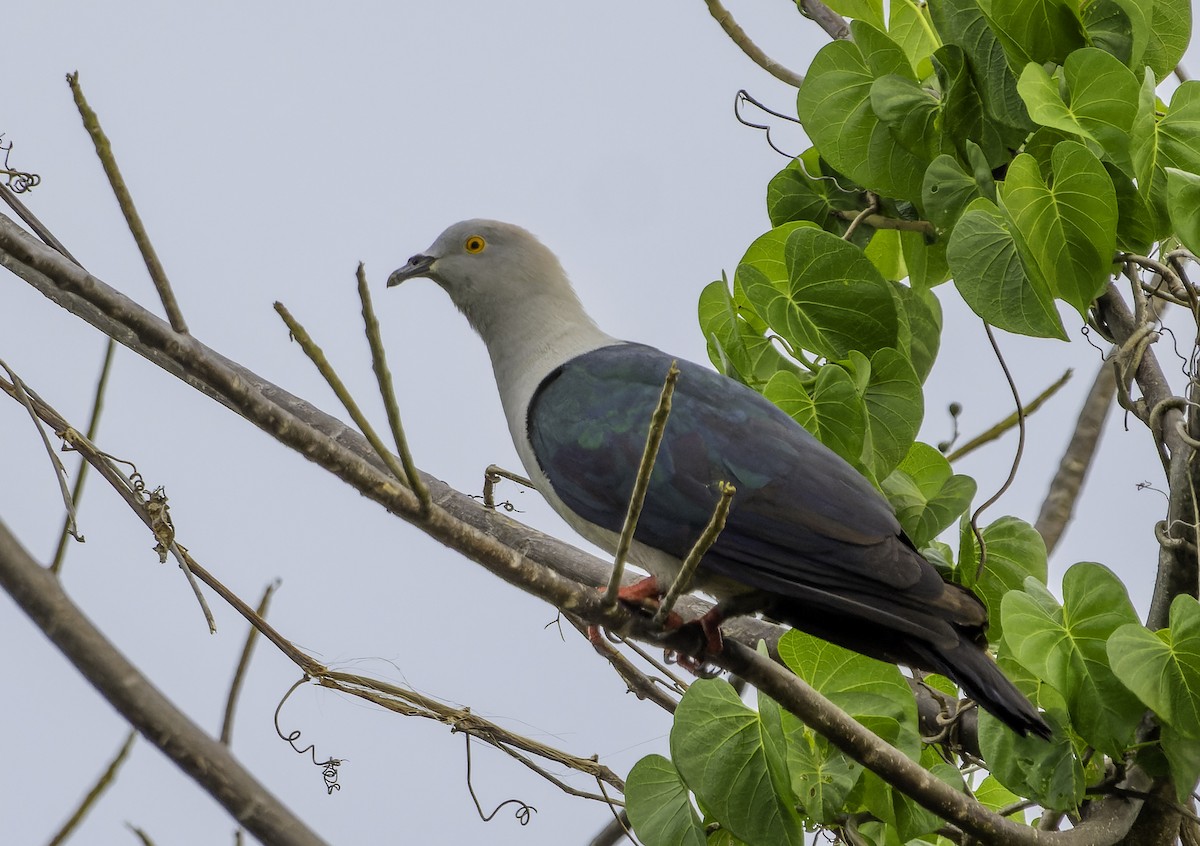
(500, 276)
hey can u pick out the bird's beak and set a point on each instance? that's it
(418, 265)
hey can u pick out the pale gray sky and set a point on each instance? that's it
(272, 146)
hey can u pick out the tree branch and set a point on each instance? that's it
(742, 40)
(515, 553)
(1060, 499)
(205, 760)
(1176, 566)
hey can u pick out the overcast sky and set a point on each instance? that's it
(269, 148)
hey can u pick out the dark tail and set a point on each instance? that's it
(979, 677)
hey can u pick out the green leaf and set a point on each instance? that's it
(926, 263)
(926, 494)
(1173, 141)
(1100, 106)
(883, 250)
(1069, 225)
(990, 276)
(717, 744)
(1135, 228)
(1066, 647)
(870, 11)
(995, 796)
(910, 111)
(962, 22)
(1048, 772)
(1183, 758)
(659, 807)
(910, 26)
(872, 692)
(802, 192)
(1170, 32)
(833, 412)
(924, 319)
(832, 299)
(736, 348)
(1035, 30)
(834, 106)
(1015, 553)
(1163, 668)
(1183, 203)
(963, 117)
(1118, 27)
(895, 407)
(946, 191)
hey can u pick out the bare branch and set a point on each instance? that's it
(384, 376)
(317, 356)
(995, 431)
(93, 796)
(239, 675)
(683, 579)
(658, 425)
(125, 200)
(60, 473)
(1059, 503)
(206, 761)
(516, 554)
(869, 217)
(81, 474)
(834, 25)
(1176, 567)
(739, 37)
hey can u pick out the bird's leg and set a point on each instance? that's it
(644, 592)
(710, 623)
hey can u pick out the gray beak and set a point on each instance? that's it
(418, 265)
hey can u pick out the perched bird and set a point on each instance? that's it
(807, 540)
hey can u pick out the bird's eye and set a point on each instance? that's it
(475, 244)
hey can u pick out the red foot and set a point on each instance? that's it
(636, 593)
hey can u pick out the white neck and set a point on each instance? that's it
(527, 339)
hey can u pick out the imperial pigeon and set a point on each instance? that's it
(807, 540)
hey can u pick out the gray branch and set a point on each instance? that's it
(204, 759)
(535, 563)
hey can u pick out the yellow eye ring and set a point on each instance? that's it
(475, 244)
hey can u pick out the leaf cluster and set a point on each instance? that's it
(1020, 149)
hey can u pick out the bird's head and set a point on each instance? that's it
(492, 269)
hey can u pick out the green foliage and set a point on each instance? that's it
(1019, 148)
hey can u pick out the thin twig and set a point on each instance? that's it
(125, 200)
(879, 221)
(33, 223)
(151, 508)
(93, 796)
(658, 425)
(493, 474)
(869, 210)
(81, 474)
(239, 675)
(1000, 428)
(140, 835)
(834, 24)
(317, 356)
(413, 704)
(60, 472)
(638, 683)
(683, 579)
(384, 376)
(739, 37)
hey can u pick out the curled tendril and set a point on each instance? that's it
(743, 97)
(18, 180)
(524, 812)
(329, 766)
